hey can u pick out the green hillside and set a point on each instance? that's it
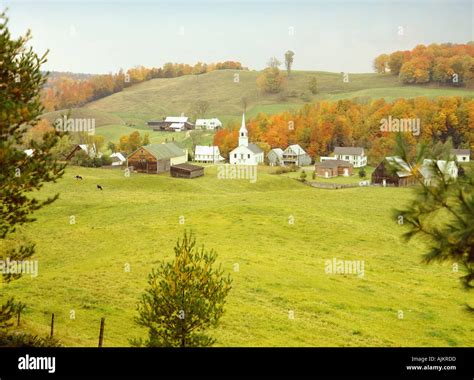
(158, 98)
(135, 221)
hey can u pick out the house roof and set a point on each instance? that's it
(176, 126)
(207, 150)
(462, 151)
(214, 120)
(333, 164)
(277, 151)
(297, 149)
(176, 119)
(445, 167)
(187, 167)
(351, 151)
(254, 148)
(397, 162)
(118, 155)
(163, 151)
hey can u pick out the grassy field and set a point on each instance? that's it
(135, 221)
(157, 98)
(354, 178)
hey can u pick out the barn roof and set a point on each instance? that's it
(163, 151)
(333, 164)
(351, 151)
(187, 167)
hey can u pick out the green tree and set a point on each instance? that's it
(313, 85)
(442, 211)
(185, 297)
(303, 176)
(21, 82)
(289, 61)
(362, 173)
(146, 139)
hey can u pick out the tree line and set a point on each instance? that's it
(448, 64)
(321, 126)
(67, 91)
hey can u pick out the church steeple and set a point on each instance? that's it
(243, 134)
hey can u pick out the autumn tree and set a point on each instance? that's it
(381, 64)
(185, 297)
(271, 80)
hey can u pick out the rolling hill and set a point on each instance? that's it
(225, 89)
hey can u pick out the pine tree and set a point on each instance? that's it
(185, 297)
(20, 106)
(442, 211)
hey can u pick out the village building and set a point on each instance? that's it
(211, 124)
(246, 153)
(296, 155)
(429, 171)
(275, 157)
(333, 168)
(393, 171)
(90, 150)
(462, 155)
(118, 158)
(186, 171)
(210, 154)
(171, 124)
(157, 158)
(355, 155)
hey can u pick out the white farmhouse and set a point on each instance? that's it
(462, 155)
(246, 153)
(118, 159)
(355, 155)
(207, 154)
(211, 124)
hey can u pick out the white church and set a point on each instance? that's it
(246, 153)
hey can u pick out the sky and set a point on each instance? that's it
(339, 36)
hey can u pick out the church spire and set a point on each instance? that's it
(243, 134)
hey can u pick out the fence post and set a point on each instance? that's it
(101, 333)
(18, 318)
(52, 325)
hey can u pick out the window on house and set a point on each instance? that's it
(235, 155)
(248, 155)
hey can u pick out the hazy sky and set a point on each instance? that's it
(338, 36)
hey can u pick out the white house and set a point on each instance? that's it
(355, 155)
(118, 159)
(211, 124)
(246, 153)
(449, 169)
(207, 154)
(462, 155)
(296, 155)
(275, 157)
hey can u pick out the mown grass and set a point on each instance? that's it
(135, 221)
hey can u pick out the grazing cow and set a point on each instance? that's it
(99, 187)
(78, 177)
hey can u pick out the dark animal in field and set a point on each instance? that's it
(99, 187)
(78, 177)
